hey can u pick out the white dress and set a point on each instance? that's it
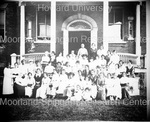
(87, 95)
(77, 96)
(29, 87)
(42, 91)
(82, 51)
(8, 82)
(113, 87)
(93, 91)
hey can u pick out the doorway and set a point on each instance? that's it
(76, 38)
(78, 29)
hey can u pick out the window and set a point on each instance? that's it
(29, 29)
(43, 25)
(2, 24)
(116, 15)
(130, 28)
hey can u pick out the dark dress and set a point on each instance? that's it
(85, 74)
(107, 58)
(125, 93)
(93, 79)
(93, 53)
(130, 70)
(101, 91)
(19, 91)
(38, 80)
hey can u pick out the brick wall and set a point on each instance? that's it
(12, 31)
(62, 15)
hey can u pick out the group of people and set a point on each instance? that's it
(93, 75)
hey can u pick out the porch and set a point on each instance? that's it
(112, 28)
(125, 57)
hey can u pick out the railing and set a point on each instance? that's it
(34, 56)
(125, 57)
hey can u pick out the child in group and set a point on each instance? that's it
(77, 96)
(87, 94)
(117, 87)
(71, 85)
(109, 87)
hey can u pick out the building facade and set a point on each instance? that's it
(35, 27)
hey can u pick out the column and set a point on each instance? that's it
(65, 42)
(105, 24)
(53, 26)
(22, 29)
(13, 59)
(138, 47)
(148, 55)
(94, 36)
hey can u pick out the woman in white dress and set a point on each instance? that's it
(101, 51)
(87, 94)
(109, 87)
(30, 85)
(77, 94)
(45, 60)
(63, 83)
(117, 88)
(42, 91)
(82, 51)
(8, 81)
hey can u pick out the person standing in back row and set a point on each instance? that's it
(82, 51)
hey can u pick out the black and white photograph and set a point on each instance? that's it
(75, 60)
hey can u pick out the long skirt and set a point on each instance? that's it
(125, 93)
(34, 91)
(41, 92)
(28, 91)
(101, 94)
(19, 91)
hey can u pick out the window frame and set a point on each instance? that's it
(122, 25)
(38, 29)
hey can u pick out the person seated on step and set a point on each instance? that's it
(130, 69)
